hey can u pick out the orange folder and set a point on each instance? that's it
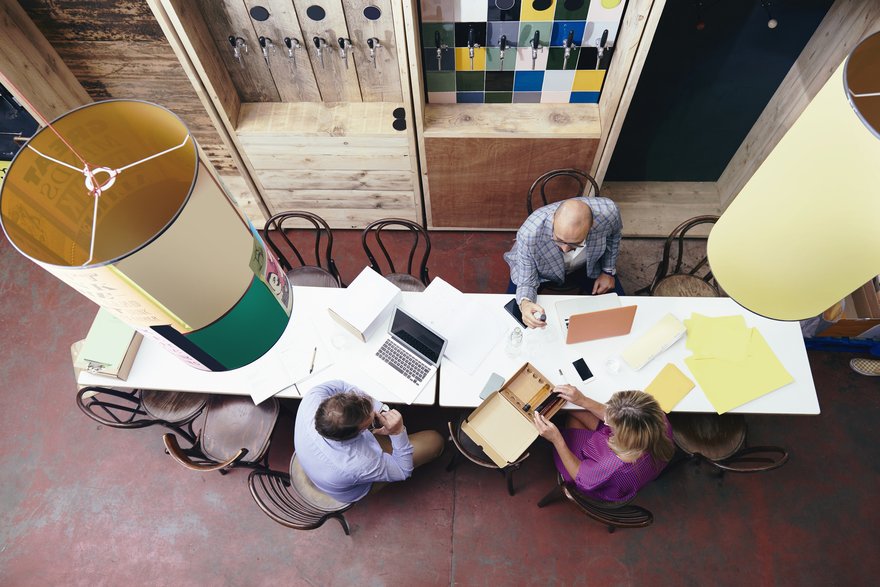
(601, 324)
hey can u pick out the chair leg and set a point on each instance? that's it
(553, 495)
(453, 462)
(343, 522)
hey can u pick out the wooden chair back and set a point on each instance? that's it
(377, 235)
(560, 184)
(277, 231)
(612, 514)
(671, 278)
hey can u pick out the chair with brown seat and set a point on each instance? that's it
(417, 238)
(721, 441)
(560, 184)
(292, 499)
(235, 433)
(612, 514)
(680, 282)
(324, 272)
(474, 453)
(137, 408)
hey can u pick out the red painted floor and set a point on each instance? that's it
(81, 504)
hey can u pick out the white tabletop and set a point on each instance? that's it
(155, 368)
(547, 351)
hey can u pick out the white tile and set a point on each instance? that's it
(558, 81)
(441, 97)
(524, 59)
(438, 10)
(471, 10)
(555, 97)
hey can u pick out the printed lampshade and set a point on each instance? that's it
(803, 233)
(169, 253)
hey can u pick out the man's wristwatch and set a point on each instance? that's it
(611, 272)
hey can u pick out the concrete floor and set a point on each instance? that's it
(81, 504)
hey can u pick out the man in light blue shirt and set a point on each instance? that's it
(346, 442)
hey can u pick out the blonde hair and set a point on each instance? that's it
(639, 425)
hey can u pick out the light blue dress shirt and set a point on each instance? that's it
(346, 469)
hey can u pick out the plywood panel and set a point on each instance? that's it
(482, 183)
(293, 76)
(336, 180)
(336, 82)
(655, 208)
(379, 79)
(238, 189)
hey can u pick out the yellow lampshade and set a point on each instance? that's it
(804, 232)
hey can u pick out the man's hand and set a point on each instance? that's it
(528, 308)
(603, 284)
(392, 423)
(547, 429)
(570, 393)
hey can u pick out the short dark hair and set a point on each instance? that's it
(340, 416)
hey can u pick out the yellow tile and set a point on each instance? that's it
(463, 59)
(588, 80)
(528, 13)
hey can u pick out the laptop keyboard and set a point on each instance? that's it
(403, 361)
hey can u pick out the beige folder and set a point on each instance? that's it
(657, 339)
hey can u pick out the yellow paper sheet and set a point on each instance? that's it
(723, 337)
(729, 384)
(669, 387)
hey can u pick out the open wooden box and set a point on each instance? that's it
(503, 424)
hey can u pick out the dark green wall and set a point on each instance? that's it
(701, 91)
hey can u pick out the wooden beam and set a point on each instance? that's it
(31, 69)
(515, 121)
(845, 24)
(654, 208)
(636, 34)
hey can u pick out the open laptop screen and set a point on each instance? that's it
(418, 337)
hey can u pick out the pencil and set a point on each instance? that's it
(312, 367)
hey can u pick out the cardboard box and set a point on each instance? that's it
(366, 303)
(503, 424)
(110, 347)
(861, 316)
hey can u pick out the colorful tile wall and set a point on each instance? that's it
(457, 73)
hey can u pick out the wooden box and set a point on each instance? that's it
(503, 424)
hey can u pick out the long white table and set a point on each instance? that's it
(155, 368)
(547, 351)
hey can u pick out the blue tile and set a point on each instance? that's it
(584, 98)
(560, 32)
(469, 97)
(528, 81)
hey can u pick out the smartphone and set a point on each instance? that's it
(493, 384)
(513, 309)
(583, 370)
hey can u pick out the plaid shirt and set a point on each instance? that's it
(535, 258)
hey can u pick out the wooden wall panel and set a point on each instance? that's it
(336, 82)
(116, 49)
(482, 183)
(380, 81)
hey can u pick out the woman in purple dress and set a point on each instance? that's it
(610, 451)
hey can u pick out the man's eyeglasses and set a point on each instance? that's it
(572, 245)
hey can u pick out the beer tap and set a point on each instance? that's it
(373, 44)
(441, 47)
(600, 47)
(265, 45)
(343, 43)
(319, 42)
(568, 44)
(502, 44)
(237, 45)
(536, 46)
(472, 44)
(292, 45)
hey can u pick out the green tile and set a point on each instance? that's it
(440, 81)
(527, 33)
(493, 59)
(499, 97)
(447, 33)
(557, 56)
(469, 81)
(563, 13)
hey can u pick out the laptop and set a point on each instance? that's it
(601, 324)
(582, 304)
(407, 358)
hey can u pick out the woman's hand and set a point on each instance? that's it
(570, 393)
(547, 429)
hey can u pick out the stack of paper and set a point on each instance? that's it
(731, 362)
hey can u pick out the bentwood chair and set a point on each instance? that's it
(292, 499)
(560, 184)
(234, 433)
(377, 234)
(677, 281)
(612, 514)
(474, 453)
(720, 440)
(280, 227)
(139, 408)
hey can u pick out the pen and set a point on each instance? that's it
(312, 367)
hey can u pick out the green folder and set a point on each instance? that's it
(110, 346)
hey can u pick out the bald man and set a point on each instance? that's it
(574, 242)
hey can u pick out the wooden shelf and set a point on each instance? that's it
(319, 119)
(527, 121)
